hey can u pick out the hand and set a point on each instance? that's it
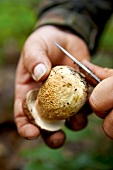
(39, 54)
(101, 99)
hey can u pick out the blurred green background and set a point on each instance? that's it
(88, 149)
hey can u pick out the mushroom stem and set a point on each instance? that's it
(54, 125)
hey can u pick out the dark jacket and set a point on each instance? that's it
(86, 18)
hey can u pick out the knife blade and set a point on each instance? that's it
(78, 63)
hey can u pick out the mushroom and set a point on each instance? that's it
(62, 95)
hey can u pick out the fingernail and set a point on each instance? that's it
(39, 72)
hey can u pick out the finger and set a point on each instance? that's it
(101, 99)
(35, 58)
(90, 80)
(23, 79)
(79, 120)
(25, 129)
(54, 139)
(108, 124)
(102, 73)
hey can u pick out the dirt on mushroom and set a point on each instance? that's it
(62, 95)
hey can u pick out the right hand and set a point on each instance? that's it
(101, 99)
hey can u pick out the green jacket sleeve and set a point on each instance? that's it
(85, 18)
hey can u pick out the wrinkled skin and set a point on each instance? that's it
(39, 49)
(101, 99)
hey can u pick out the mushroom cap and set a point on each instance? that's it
(62, 94)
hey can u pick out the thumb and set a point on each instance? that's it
(35, 59)
(101, 99)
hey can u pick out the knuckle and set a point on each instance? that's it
(96, 107)
(108, 71)
(107, 130)
(94, 103)
(108, 126)
(29, 61)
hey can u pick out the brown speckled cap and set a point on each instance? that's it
(62, 94)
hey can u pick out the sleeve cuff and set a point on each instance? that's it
(78, 23)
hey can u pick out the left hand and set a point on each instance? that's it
(39, 49)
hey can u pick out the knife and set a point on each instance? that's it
(78, 63)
